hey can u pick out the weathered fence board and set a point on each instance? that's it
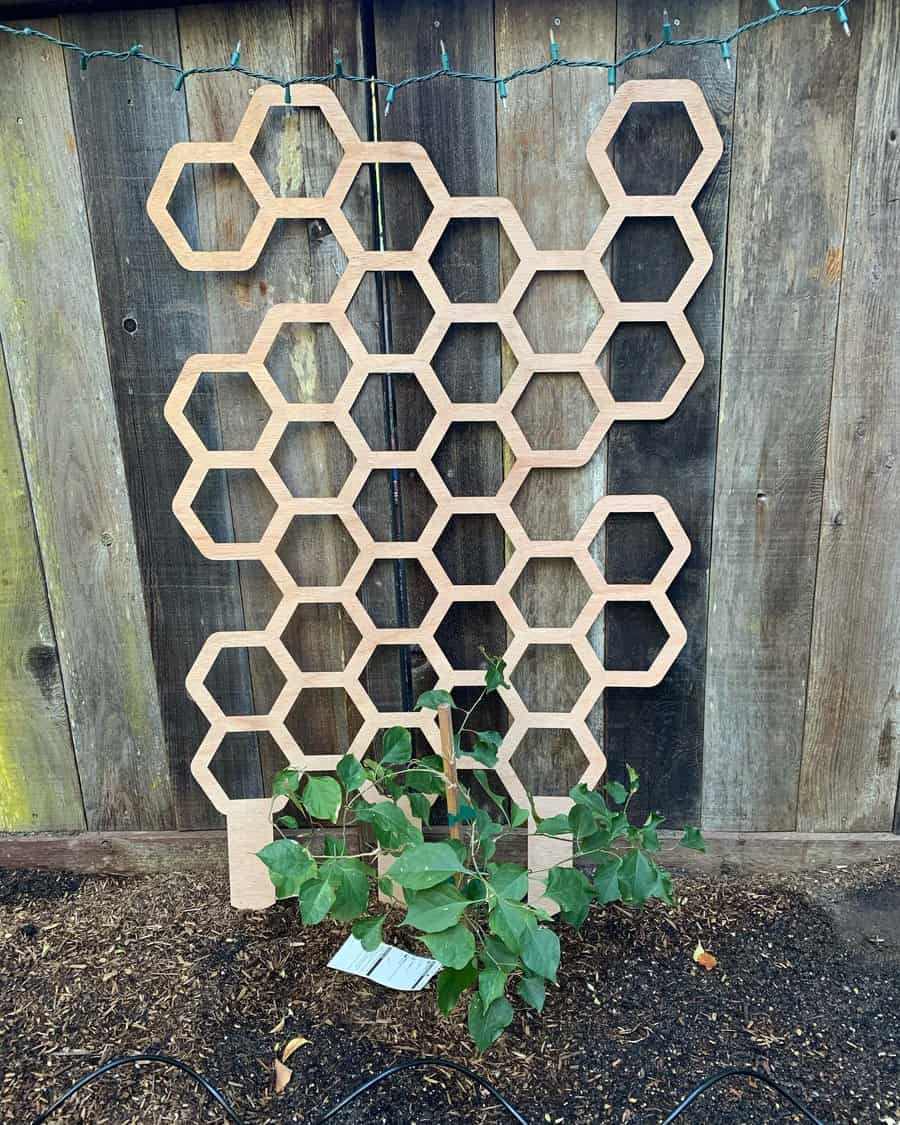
(542, 169)
(38, 779)
(793, 129)
(456, 125)
(851, 752)
(154, 317)
(59, 374)
(660, 731)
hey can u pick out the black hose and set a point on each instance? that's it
(746, 1071)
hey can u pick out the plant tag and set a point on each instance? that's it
(387, 965)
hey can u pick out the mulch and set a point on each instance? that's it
(98, 967)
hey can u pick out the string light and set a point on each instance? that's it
(500, 82)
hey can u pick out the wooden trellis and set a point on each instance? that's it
(248, 820)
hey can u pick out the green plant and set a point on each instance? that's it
(470, 911)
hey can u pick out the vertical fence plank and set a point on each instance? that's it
(851, 752)
(59, 374)
(455, 122)
(154, 315)
(660, 730)
(542, 169)
(39, 787)
(301, 262)
(792, 140)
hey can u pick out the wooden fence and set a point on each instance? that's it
(781, 713)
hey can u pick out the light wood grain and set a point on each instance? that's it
(58, 370)
(851, 748)
(785, 241)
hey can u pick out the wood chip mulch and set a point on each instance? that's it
(98, 967)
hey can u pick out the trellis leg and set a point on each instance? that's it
(546, 851)
(249, 830)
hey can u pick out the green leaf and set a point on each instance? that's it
(540, 952)
(420, 807)
(555, 825)
(285, 782)
(350, 879)
(397, 747)
(431, 700)
(392, 829)
(606, 881)
(425, 865)
(334, 847)
(495, 953)
(290, 866)
(491, 985)
(509, 880)
(287, 822)
(494, 675)
(315, 901)
(633, 783)
(351, 773)
(436, 909)
(637, 877)
(533, 991)
(367, 932)
(511, 921)
(321, 797)
(518, 816)
(420, 775)
(486, 1025)
(487, 743)
(582, 821)
(617, 792)
(386, 886)
(693, 838)
(482, 778)
(591, 799)
(577, 917)
(648, 838)
(454, 948)
(465, 815)
(569, 887)
(452, 983)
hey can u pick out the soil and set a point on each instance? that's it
(806, 989)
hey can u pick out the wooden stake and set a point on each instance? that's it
(446, 725)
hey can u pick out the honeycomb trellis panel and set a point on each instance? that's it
(248, 820)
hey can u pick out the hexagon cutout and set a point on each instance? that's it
(313, 459)
(636, 526)
(465, 259)
(395, 675)
(559, 311)
(656, 146)
(411, 311)
(406, 205)
(550, 592)
(467, 629)
(230, 665)
(226, 411)
(235, 763)
(468, 361)
(233, 175)
(308, 361)
(472, 549)
(317, 550)
(633, 546)
(396, 593)
(644, 361)
(234, 505)
(392, 411)
(549, 761)
(633, 633)
(556, 410)
(297, 151)
(324, 721)
(395, 504)
(320, 636)
(549, 678)
(470, 458)
(651, 258)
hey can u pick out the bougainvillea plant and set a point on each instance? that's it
(470, 912)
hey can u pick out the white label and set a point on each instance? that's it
(387, 965)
